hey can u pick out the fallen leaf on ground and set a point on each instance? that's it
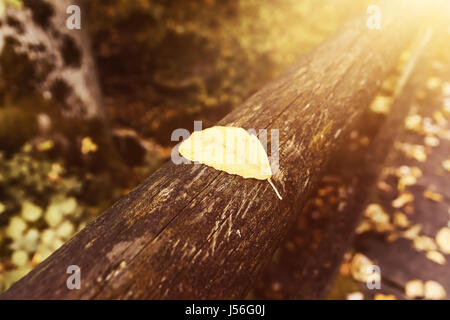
(440, 118)
(378, 217)
(88, 145)
(412, 232)
(402, 200)
(446, 165)
(355, 296)
(424, 243)
(381, 104)
(413, 151)
(414, 289)
(434, 83)
(401, 220)
(431, 141)
(359, 267)
(443, 240)
(380, 296)
(446, 89)
(436, 256)
(431, 195)
(434, 290)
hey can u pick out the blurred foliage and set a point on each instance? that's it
(43, 203)
(39, 211)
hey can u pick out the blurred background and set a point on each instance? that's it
(86, 115)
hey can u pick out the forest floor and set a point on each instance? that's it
(406, 231)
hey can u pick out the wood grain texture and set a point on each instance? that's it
(176, 235)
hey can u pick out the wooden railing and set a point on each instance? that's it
(190, 231)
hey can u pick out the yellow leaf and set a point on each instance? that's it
(414, 289)
(378, 217)
(380, 296)
(229, 149)
(359, 266)
(381, 104)
(30, 211)
(46, 145)
(55, 172)
(433, 195)
(424, 243)
(446, 89)
(19, 258)
(402, 200)
(401, 220)
(434, 83)
(431, 141)
(88, 145)
(414, 123)
(446, 107)
(440, 118)
(412, 232)
(355, 296)
(446, 165)
(434, 290)
(436, 257)
(443, 240)
(16, 227)
(413, 151)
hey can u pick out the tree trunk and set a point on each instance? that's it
(63, 68)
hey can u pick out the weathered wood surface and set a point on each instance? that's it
(305, 267)
(190, 231)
